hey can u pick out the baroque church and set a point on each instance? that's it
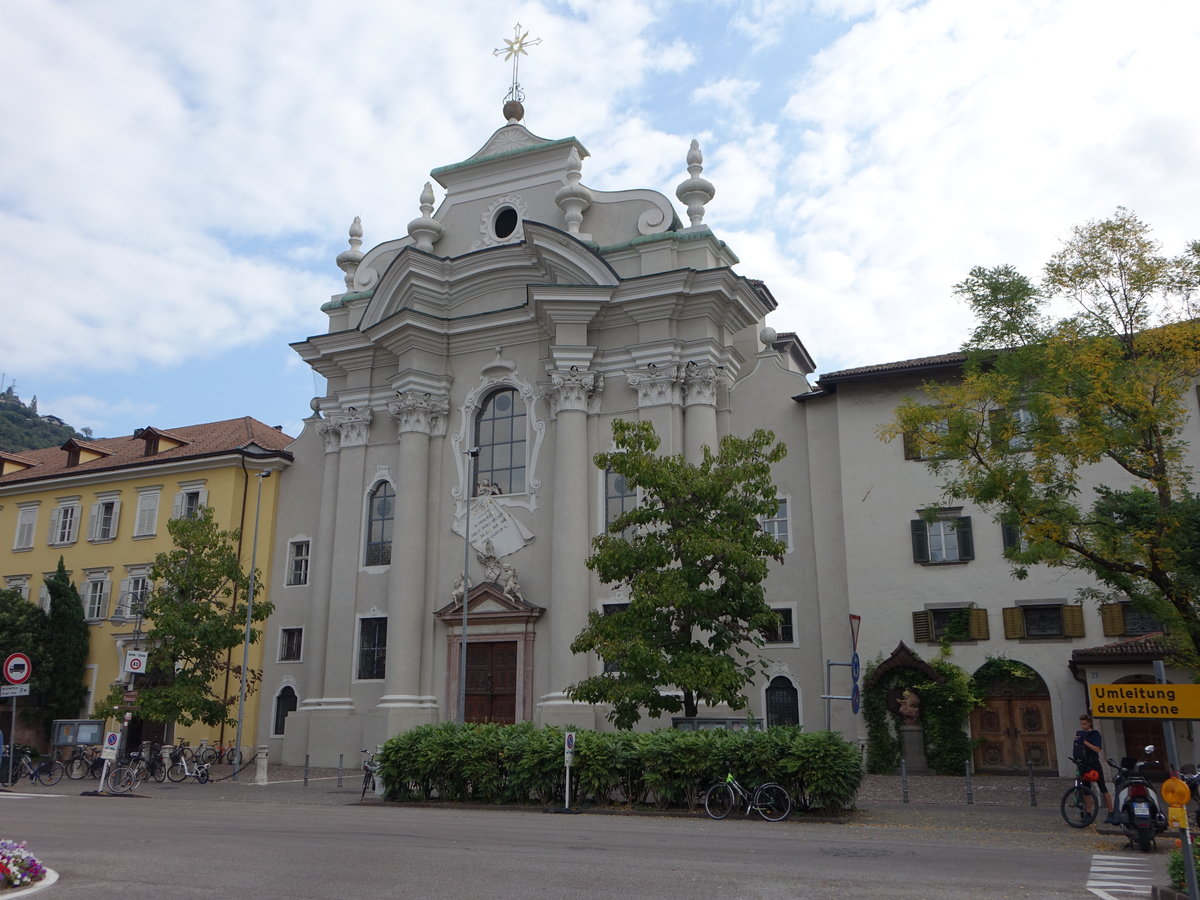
(474, 368)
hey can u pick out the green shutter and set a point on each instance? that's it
(1072, 617)
(922, 625)
(912, 446)
(962, 530)
(1112, 618)
(1014, 622)
(920, 541)
(1010, 535)
(979, 624)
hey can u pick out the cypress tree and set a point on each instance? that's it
(65, 659)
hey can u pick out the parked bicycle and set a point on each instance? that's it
(370, 774)
(770, 800)
(1081, 803)
(48, 772)
(83, 762)
(149, 764)
(123, 779)
(226, 753)
(182, 768)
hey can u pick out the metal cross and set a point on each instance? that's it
(513, 50)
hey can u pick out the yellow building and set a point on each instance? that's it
(103, 505)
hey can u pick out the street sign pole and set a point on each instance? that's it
(17, 669)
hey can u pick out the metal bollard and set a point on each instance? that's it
(970, 787)
(904, 779)
(340, 755)
(1032, 785)
(306, 770)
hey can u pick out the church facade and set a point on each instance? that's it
(474, 369)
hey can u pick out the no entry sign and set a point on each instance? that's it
(17, 668)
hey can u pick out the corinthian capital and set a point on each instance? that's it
(354, 425)
(572, 390)
(700, 384)
(421, 412)
(657, 385)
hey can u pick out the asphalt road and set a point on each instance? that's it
(291, 841)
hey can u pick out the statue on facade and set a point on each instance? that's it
(910, 707)
(509, 583)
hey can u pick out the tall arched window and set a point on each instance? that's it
(783, 702)
(500, 437)
(381, 510)
(285, 702)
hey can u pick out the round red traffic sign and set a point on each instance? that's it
(17, 668)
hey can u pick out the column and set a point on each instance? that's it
(569, 394)
(417, 415)
(317, 631)
(699, 410)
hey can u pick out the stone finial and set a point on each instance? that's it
(573, 198)
(695, 191)
(425, 229)
(348, 260)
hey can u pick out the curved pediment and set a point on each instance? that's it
(485, 281)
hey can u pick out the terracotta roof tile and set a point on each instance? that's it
(1136, 649)
(212, 438)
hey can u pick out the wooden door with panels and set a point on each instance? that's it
(1014, 734)
(492, 682)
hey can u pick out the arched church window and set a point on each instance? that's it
(500, 437)
(381, 510)
(285, 702)
(783, 702)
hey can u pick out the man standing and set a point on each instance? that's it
(1088, 744)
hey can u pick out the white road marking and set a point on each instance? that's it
(1113, 877)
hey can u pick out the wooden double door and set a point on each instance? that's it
(1014, 733)
(491, 694)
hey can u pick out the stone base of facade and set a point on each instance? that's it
(559, 710)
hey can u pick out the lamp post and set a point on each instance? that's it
(471, 455)
(237, 742)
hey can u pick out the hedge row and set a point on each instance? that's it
(665, 768)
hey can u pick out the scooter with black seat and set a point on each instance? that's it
(1136, 807)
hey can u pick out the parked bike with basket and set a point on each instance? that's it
(48, 772)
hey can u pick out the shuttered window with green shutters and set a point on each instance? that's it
(942, 541)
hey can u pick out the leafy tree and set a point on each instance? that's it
(1040, 401)
(23, 630)
(197, 610)
(66, 649)
(694, 557)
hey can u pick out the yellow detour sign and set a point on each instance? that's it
(1145, 701)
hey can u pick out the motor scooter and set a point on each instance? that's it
(1136, 808)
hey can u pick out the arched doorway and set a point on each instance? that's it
(1138, 733)
(1014, 728)
(285, 702)
(782, 702)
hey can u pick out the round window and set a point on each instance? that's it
(505, 222)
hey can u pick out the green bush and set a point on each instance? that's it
(1176, 872)
(523, 764)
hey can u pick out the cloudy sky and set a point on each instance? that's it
(176, 179)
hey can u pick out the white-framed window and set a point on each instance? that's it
(947, 539)
(1014, 426)
(44, 592)
(104, 518)
(500, 436)
(381, 515)
(619, 496)
(783, 634)
(146, 524)
(192, 495)
(779, 525)
(64, 521)
(95, 595)
(134, 592)
(291, 644)
(297, 569)
(18, 583)
(26, 525)
(372, 648)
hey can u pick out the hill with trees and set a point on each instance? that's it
(21, 428)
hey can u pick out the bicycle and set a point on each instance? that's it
(85, 761)
(123, 779)
(182, 768)
(769, 800)
(48, 772)
(149, 765)
(370, 773)
(1081, 803)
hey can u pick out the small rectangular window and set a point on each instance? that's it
(946, 539)
(96, 599)
(372, 648)
(291, 643)
(1043, 620)
(26, 525)
(103, 526)
(619, 496)
(778, 526)
(784, 632)
(64, 523)
(147, 514)
(298, 562)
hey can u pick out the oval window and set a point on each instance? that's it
(505, 222)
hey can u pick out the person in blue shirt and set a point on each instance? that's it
(1088, 744)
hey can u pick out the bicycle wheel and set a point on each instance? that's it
(718, 800)
(141, 769)
(202, 774)
(17, 772)
(772, 802)
(1074, 806)
(233, 756)
(51, 773)
(188, 753)
(177, 772)
(158, 771)
(121, 780)
(77, 768)
(207, 755)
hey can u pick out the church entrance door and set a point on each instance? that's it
(492, 682)
(1014, 733)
